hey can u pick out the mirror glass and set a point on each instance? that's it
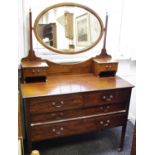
(68, 28)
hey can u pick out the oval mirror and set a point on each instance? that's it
(68, 28)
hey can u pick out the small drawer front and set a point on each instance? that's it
(105, 67)
(55, 103)
(37, 118)
(43, 132)
(108, 67)
(107, 97)
(33, 72)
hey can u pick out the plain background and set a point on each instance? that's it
(145, 77)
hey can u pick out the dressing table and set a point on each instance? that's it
(75, 98)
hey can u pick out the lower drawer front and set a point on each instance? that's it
(42, 132)
(37, 118)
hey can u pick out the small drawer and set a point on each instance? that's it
(107, 97)
(108, 67)
(105, 67)
(62, 115)
(47, 131)
(55, 103)
(33, 72)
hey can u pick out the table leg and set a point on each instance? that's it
(122, 138)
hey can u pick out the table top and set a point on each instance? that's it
(68, 84)
(30, 64)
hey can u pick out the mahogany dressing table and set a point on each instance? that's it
(75, 99)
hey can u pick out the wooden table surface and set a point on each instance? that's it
(67, 84)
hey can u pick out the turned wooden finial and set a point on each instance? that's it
(35, 152)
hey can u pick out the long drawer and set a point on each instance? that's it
(106, 97)
(36, 118)
(51, 130)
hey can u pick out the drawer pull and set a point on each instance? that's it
(53, 130)
(101, 122)
(61, 128)
(38, 70)
(108, 121)
(106, 124)
(108, 67)
(109, 98)
(58, 132)
(62, 102)
(53, 103)
(104, 97)
(33, 71)
(58, 106)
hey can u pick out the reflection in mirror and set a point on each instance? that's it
(68, 29)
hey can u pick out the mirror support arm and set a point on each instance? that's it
(31, 55)
(104, 51)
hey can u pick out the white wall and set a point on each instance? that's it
(127, 71)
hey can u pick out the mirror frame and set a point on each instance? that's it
(61, 5)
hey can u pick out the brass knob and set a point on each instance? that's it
(35, 152)
(53, 103)
(58, 133)
(101, 122)
(38, 70)
(61, 128)
(53, 130)
(108, 121)
(104, 97)
(33, 70)
(62, 102)
(111, 96)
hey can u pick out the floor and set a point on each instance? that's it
(99, 143)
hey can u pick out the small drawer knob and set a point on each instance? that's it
(38, 70)
(33, 71)
(53, 103)
(62, 102)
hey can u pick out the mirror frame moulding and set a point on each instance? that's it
(74, 5)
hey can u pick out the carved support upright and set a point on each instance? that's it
(103, 53)
(31, 55)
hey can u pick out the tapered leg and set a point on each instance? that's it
(29, 146)
(122, 138)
